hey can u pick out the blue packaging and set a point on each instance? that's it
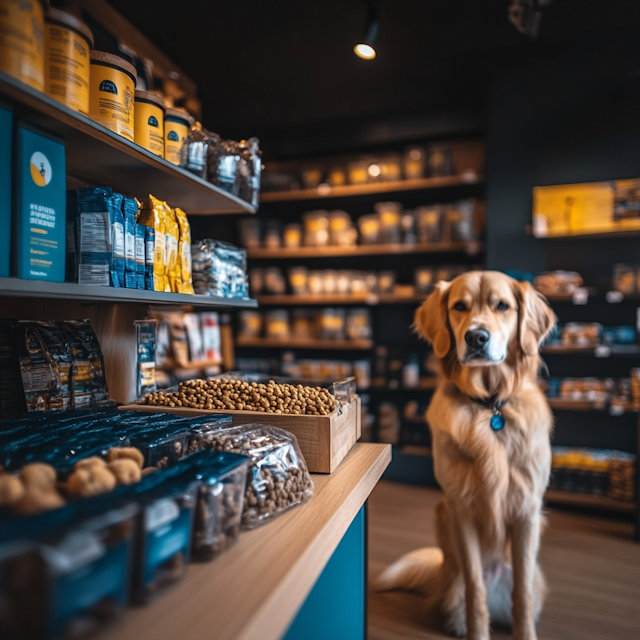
(150, 246)
(130, 210)
(114, 204)
(73, 565)
(93, 229)
(40, 205)
(6, 123)
(140, 255)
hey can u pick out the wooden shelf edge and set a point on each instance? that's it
(369, 300)
(471, 248)
(259, 584)
(587, 500)
(18, 288)
(293, 343)
(369, 189)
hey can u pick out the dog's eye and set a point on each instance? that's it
(502, 306)
(460, 306)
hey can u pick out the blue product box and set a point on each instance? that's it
(6, 122)
(40, 205)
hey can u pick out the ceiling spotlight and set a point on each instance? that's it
(365, 49)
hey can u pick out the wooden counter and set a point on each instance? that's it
(255, 589)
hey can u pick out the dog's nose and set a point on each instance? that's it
(476, 338)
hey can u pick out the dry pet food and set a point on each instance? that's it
(278, 477)
(238, 395)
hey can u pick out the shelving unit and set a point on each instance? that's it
(325, 191)
(97, 156)
(17, 288)
(370, 299)
(586, 500)
(304, 343)
(469, 248)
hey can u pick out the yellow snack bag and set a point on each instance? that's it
(184, 252)
(172, 233)
(152, 215)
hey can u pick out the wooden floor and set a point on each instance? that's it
(591, 564)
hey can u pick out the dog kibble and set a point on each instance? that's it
(239, 395)
(277, 478)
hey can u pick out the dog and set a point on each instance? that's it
(491, 429)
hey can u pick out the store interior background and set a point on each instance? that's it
(560, 108)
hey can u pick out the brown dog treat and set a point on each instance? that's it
(11, 490)
(90, 481)
(148, 470)
(37, 499)
(125, 470)
(131, 453)
(93, 461)
(38, 474)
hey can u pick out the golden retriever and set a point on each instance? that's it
(491, 449)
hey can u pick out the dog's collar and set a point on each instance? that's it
(497, 419)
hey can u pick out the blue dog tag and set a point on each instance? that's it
(497, 421)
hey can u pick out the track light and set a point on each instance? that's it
(365, 49)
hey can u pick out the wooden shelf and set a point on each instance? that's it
(17, 288)
(325, 191)
(97, 156)
(425, 384)
(255, 589)
(586, 500)
(586, 405)
(202, 364)
(470, 248)
(370, 299)
(599, 351)
(304, 343)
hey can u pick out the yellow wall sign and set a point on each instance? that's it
(588, 208)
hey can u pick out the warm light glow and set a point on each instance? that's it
(365, 51)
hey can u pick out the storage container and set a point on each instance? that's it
(149, 122)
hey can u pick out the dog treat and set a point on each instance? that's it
(38, 498)
(89, 463)
(11, 490)
(238, 395)
(90, 481)
(129, 453)
(278, 477)
(38, 475)
(126, 471)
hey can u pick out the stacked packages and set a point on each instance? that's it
(111, 241)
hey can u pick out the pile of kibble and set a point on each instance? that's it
(239, 395)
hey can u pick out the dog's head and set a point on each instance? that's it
(485, 318)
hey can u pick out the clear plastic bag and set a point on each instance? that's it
(219, 269)
(277, 478)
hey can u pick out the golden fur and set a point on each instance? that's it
(488, 524)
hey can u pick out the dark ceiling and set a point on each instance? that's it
(272, 68)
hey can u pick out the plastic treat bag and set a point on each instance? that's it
(277, 479)
(219, 269)
(152, 216)
(114, 203)
(130, 211)
(172, 268)
(184, 252)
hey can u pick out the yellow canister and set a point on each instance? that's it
(112, 86)
(149, 122)
(22, 40)
(176, 130)
(68, 43)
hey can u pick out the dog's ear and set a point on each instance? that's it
(535, 318)
(432, 321)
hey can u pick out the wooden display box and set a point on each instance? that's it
(324, 440)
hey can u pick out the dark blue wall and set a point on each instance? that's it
(574, 117)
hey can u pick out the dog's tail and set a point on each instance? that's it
(416, 571)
